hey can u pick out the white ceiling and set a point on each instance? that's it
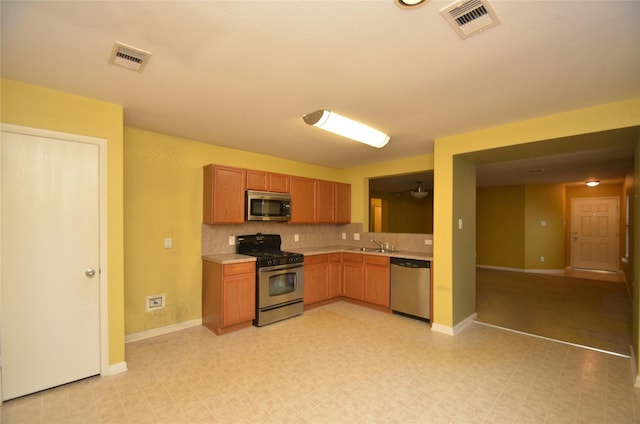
(242, 73)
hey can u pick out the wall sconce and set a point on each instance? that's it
(346, 127)
(593, 183)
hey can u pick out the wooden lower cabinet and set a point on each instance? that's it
(335, 275)
(316, 279)
(322, 278)
(353, 275)
(376, 280)
(228, 295)
(366, 278)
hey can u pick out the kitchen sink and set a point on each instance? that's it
(372, 249)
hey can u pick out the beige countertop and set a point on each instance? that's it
(229, 258)
(423, 256)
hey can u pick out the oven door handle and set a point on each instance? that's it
(279, 267)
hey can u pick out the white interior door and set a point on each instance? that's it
(50, 228)
(595, 233)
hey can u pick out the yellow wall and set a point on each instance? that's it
(544, 202)
(500, 220)
(163, 199)
(359, 177)
(36, 107)
(405, 214)
(600, 118)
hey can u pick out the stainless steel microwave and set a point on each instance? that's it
(267, 206)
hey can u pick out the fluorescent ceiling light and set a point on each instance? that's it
(346, 127)
(593, 183)
(411, 3)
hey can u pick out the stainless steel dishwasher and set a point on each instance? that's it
(411, 287)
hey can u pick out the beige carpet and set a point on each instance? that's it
(583, 311)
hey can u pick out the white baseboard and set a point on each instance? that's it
(635, 378)
(134, 337)
(118, 368)
(456, 329)
(531, 270)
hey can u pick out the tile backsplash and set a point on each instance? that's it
(215, 238)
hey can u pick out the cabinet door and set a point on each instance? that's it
(342, 203)
(279, 183)
(238, 299)
(353, 276)
(326, 201)
(316, 279)
(376, 277)
(335, 275)
(267, 181)
(303, 200)
(223, 195)
(257, 180)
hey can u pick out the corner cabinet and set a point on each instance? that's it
(228, 295)
(223, 201)
(322, 278)
(366, 278)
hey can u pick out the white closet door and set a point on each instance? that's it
(49, 295)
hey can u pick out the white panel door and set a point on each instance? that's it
(50, 301)
(595, 233)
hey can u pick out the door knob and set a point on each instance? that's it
(90, 272)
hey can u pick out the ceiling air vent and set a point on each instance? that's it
(470, 17)
(129, 57)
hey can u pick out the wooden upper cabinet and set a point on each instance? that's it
(223, 201)
(326, 202)
(267, 181)
(303, 200)
(342, 203)
(312, 201)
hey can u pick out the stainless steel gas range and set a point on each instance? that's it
(279, 277)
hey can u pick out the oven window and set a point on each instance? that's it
(282, 284)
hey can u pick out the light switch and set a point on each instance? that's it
(460, 224)
(543, 223)
(168, 243)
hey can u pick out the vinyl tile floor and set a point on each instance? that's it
(343, 363)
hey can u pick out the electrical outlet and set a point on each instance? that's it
(543, 223)
(232, 240)
(168, 243)
(356, 236)
(541, 258)
(428, 242)
(344, 236)
(296, 237)
(155, 302)
(460, 225)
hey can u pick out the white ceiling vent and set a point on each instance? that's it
(470, 17)
(129, 57)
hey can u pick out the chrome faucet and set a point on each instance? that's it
(379, 243)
